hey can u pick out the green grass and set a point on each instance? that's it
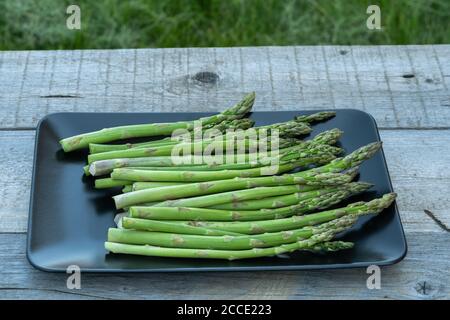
(41, 24)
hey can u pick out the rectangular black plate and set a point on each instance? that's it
(69, 219)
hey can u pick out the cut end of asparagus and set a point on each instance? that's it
(92, 170)
(65, 146)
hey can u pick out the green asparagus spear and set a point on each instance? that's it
(315, 158)
(238, 195)
(225, 125)
(106, 166)
(351, 160)
(156, 129)
(293, 159)
(220, 186)
(255, 227)
(147, 250)
(286, 200)
(191, 148)
(157, 184)
(306, 202)
(198, 176)
(227, 242)
(163, 226)
(99, 147)
(110, 183)
(316, 117)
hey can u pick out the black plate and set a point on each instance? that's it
(69, 219)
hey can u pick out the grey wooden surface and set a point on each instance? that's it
(406, 89)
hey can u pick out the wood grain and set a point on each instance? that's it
(402, 87)
(401, 281)
(406, 89)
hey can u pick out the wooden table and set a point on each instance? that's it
(406, 89)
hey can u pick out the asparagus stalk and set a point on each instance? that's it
(110, 183)
(308, 176)
(319, 158)
(99, 147)
(304, 183)
(192, 147)
(293, 159)
(349, 161)
(308, 201)
(239, 195)
(163, 226)
(255, 227)
(197, 176)
(99, 168)
(227, 242)
(220, 186)
(147, 250)
(286, 200)
(156, 129)
(225, 125)
(320, 144)
(157, 184)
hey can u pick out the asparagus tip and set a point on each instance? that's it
(353, 172)
(363, 186)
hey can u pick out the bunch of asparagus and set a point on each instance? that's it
(258, 204)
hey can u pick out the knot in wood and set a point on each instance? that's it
(425, 288)
(206, 77)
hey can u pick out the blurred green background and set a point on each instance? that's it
(41, 24)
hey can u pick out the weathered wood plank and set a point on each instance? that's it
(418, 162)
(427, 261)
(404, 86)
(15, 178)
